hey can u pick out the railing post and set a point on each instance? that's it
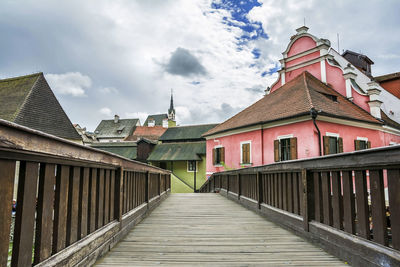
(227, 183)
(146, 190)
(260, 189)
(238, 186)
(119, 195)
(308, 198)
(159, 184)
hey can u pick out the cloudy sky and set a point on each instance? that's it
(123, 56)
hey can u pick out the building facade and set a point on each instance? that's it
(321, 104)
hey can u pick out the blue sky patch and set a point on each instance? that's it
(239, 10)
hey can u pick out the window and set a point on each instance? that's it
(361, 143)
(285, 149)
(245, 152)
(192, 166)
(151, 122)
(333, 144)
(218, 155)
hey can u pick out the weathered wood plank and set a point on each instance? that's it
(100, 199)
(326, 197)
(44, 218)
(73, 205)
(92, 211)
(349, 213)
(106, 197)
(394, 205)
(378, 207)
(60, 208)
(7, 173)
(226, 235)
(362, 204)
(337, 205)
(25, 218)
(83, 203)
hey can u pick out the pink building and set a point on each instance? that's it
(321, 104)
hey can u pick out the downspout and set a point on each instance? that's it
(262, 145)
(314, 115)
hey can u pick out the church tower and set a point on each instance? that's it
(171, 112)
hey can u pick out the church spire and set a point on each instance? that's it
(171, 110)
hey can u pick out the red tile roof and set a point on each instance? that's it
(151, 133)
(293, 99)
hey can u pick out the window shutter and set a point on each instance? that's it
(222, 154)
(214, 156)
(326, 145)
(340, 144)
(357, 144)
(369, 144)
(248, 153)
(293, 148)
(276, 150)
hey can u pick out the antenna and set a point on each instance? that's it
(338, 43)
(304, 21)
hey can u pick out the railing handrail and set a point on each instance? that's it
(24, 140)
(373, 157)
(348, 202)
(69, 195)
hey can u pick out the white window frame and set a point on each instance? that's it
(241, 153)
(332, 134)
(362, 139)
(287, 136)
(187, 166)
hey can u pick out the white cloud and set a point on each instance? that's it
(120, 44)
(105, 111)
(70, 83)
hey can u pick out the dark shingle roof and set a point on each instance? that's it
(29, 101)
(186, 133)
(124, 149)
(178, 151)
(296, 98)
(121, 129)
(158, 118)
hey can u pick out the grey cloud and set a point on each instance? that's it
(258, 89)
(183, 63)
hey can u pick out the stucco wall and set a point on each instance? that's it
(307, 142)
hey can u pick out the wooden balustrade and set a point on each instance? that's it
(67, 195)
(350, 201)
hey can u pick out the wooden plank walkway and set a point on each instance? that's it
(210, 230)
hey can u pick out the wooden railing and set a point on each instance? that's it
(73, 202)
(349, 203)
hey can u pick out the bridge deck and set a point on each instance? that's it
(208, 229)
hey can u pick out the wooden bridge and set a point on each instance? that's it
(77, 206)
(210, 230)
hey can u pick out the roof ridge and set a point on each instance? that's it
(306, 73)
(192, 125)
(21, 77)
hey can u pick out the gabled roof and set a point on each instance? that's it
(178, 151)
(394, 90)
(387, 77)
(158, 118)
(186, 133)
(293, 99)
(29, 101)
(152, 133)
(111, 129)
(124, 149)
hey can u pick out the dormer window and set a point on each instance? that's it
(151, 122)
(120, 129)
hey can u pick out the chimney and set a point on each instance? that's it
(374, 102)
(349, 75)
(116, 118)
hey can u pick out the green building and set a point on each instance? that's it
(183, 151)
